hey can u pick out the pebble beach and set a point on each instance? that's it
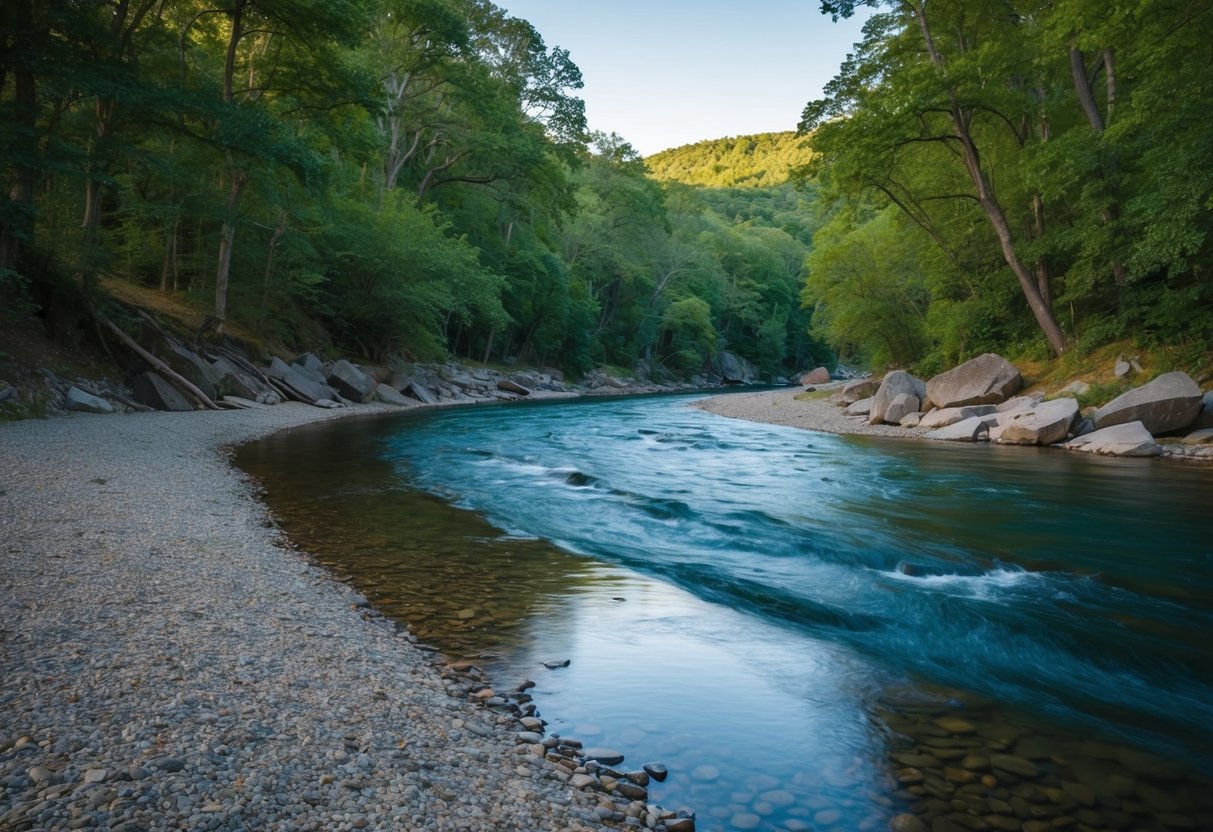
(167, 661)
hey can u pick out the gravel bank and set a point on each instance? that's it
(780, 407)
(167, 663)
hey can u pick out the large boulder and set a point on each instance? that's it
(903, 405)
(351, 382)
(236, 382)
(1170, 402)
(941, 417)
(734, 369)
(309, 362)
(860, 388)
(82, 402)
(153, 390)
(973, 429)
(419, 392)
(1044, 424)
(390, 395)
(860, 408)
(1129, 439)
(893, 385)
(192, 367)
(986, 379)
(819, 375)
(299, 381)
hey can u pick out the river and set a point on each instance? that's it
(810, 631)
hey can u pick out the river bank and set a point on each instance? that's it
(169, 662)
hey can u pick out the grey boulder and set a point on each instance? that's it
(419, 392)
(893, 385)
(351, 382)
(299, 381)
(1129, 439)
(861, 407)
(860, 388)
(986, 379)
(154, 391)
(80, 402)
(1170, 402)
(941, 417)
(1044, 424)
(973, 429)
(390, 395)
(903, 405)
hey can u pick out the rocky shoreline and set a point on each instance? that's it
(170, 663)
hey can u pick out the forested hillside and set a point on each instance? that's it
(398, 177)
(1020, 177)
(760, 161)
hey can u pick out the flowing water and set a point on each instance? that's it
(810, 631)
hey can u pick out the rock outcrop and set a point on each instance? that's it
(986, 379)
(733, 369)
(300, 381)
(1168, 403)
(1128, 439)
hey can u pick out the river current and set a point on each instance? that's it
(782, 616)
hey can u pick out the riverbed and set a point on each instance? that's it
(809, 631)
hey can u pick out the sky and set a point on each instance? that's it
(664, 73)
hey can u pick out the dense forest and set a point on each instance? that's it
(1033, 178)
(392, 177)
(415, 178)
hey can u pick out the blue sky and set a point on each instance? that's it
(664, 73)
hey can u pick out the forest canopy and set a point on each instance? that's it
(416, 178)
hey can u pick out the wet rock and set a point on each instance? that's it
(906, 823)
(955, 725)
(555, 664)
(986, 379)
(1016, 765)
(706, 773)
(657, 771)
(745, 820)
(680, 825)
(606, 756)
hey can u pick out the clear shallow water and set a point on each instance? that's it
(780, 606)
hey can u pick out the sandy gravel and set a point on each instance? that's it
(167, 663)
(780, 407)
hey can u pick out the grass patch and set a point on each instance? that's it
(813, 395)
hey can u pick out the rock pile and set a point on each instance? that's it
(974, 403)
(961, 771)
(618, 795)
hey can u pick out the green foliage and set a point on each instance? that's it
(764, 160)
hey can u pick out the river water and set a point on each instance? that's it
(810, 631)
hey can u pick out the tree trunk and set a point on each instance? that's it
(18, 228)
(227, 236)
(990, 204)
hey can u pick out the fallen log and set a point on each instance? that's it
(182, 384)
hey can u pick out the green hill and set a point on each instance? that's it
(758, 161)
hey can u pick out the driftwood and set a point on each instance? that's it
(182, 384)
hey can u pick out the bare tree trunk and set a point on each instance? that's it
(990, 204)
(227, 235)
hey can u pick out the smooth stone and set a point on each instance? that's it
(581, 781)
(779, 798)
(827, 817)
(706, 773)
(745, 820)
(906, 822)
(680, 825)
(657, 771)
(171, 764)
(1130, 439)
(955, 725)
(530, 737)
(556, 664)
(95, 775)
(606, 756)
